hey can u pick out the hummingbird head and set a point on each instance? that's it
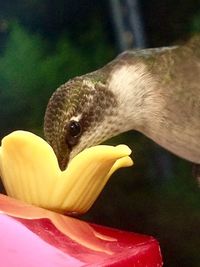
(81, 113)
(92, 108)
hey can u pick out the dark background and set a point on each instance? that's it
(43, 43)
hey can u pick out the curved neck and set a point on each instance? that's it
(163, 112)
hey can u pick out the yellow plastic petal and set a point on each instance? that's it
(30, 172)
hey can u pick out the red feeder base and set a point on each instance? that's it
(33, 237)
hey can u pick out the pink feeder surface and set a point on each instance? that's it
(33, 237)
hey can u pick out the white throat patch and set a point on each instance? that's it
(132, 85)
(130, 80)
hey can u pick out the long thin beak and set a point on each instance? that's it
(63, 162)
(63, 158)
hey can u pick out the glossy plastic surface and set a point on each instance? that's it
(32, 237)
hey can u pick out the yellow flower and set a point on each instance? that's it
(30, 172)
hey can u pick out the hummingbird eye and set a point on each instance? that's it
(73, 132)
(74, 129)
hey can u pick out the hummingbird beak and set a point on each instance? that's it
(63, 158)
(63, 162)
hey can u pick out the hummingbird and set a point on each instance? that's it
(155, 91)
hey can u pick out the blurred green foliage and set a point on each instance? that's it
(195, 23)
(30, 70)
